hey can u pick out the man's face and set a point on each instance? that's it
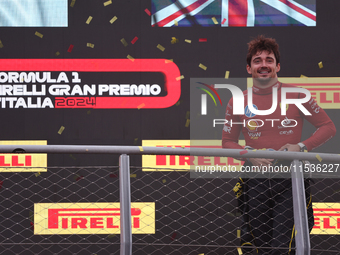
(263, 66)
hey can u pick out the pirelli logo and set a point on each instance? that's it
(183, 163)
(326, 219)
(324, 90)
(90, 218)
(19, 162)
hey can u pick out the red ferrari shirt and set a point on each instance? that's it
(275, 130)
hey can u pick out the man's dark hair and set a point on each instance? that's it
(260, 44)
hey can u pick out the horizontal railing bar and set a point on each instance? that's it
(146, 150)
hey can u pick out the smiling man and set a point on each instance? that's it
(267, 208)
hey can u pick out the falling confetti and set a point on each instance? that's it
(148, 12)
(134, 40)
(140, 106)
(187, 40)
(140, 148)
(38, 34)
(113, 19)
(160, 47)
(107, 3)
(70, 48)
(89, 20)
(187, 123)
(57, 53)
(72, 3)
(203, 66)
(124, 42)
(133, 175)
(320, 65)
(90, 45)
(243, 152)
(173, 236)
(226, 76)
(180, 78)
(318, 157)
(1, 45)
(238, 233)
(302, 76)
(214, 20)
(224, 20)
(61, 129)
(169, 61)
(174, 40)
(176, 23)
(202, 39)
(131, 58)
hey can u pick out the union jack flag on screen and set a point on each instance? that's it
(233, 13)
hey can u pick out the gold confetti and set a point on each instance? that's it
(89, 20)
(238, 233)
(57, 53)
(320, 65)
(140, 106)
(1, 45)
(226, 76)
(302, 76)
(37, 174)
(169, 61)
(187, 115)
(180, 78)
(61, 129)
(72, 3)
(203, 67)
(140, 148)
(89, 112)
(135, 141)
(31, 216)
(164, 181)
(90, 45)
(214, 20)
(178, 103)
(187, 123)
(38, 34)
(160, 47)
(176, 23)
(239, 251)
(124, 42)
(131, 58)
(110, 236)
(201, 254)
(174, 40)
(133, 175)
(107, 3)
(187, 40)
(113, 19)
(318, 157)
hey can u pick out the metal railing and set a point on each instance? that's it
(299, 199)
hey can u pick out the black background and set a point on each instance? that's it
(302, 48)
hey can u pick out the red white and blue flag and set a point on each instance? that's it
(235, 13)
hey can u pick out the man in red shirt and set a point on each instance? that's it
(269, 201)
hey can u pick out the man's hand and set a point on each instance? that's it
(290, 147)
(260, 161)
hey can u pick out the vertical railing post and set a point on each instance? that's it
(125, 205)
(302, 240)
